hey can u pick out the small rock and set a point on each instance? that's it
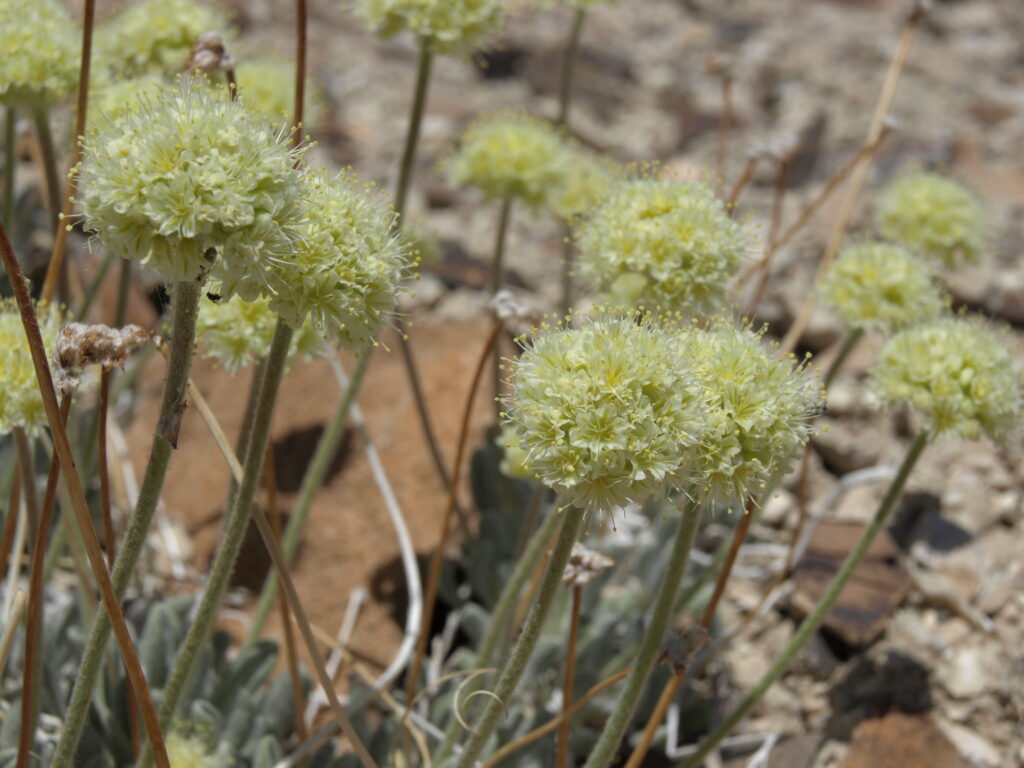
(859, 503)
(846, 447)
(965, 675)
(972, 746)
(778, 507)
(902, 741)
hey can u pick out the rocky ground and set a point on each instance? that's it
(940, 682)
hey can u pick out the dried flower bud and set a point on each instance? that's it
(932, 215)
(39, 52)
(80, 345)
(510, 155)
(758, 405)
(607, 414)
(452, 26)
(666, 244)
(21, 405)
(189, 172)
(584, 566)
(209, 54)
(958, 373)
(154, 36)
(881, 287)
(239, 333)
(348, 266)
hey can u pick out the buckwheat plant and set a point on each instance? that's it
(878, 287)
(607, 414)
(21, 405)
(758, 409)
(661, 243)
(961, 377)
(154, 36)
(189, 183)
(933, 215)
(457, 26)
(40, 44)
(239, 333)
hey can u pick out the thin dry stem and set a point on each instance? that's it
(60, 240)
(562, 756)
(11, 626)
(105, 511)
(13, 503)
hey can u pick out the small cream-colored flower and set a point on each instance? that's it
(238, 332)
(451, 26)
(758, 405)
(933, 215)
(607, 414)
(39, 52)
(510, 155)
(189, 180)
(185, 751)
(348, 265)
(881, 287)
(661, 243)
(958, 373)
(21, 405)
(154, 36)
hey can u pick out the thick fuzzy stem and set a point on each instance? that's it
(184, 310)
(527, 641)
(608, 744)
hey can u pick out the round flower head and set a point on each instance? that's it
(510, 155)
(934, 215)
(186, 172)
(607, 414)
(759, 409)
(668, 244)
(881, 287)
(239, 332)
(348, 266)
(451, 26)
(585, 181)
(154, 36)
(21, 405)
(39, 52)
(267, 87)
(956, 372)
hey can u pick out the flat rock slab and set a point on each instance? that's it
(901, 741)
(875, 589)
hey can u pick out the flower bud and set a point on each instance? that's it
(451, 26)
(39, 52)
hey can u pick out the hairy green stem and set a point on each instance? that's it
(502, 613)
(10, 164)
(853, 337)
(817, 616)
(567, 254)
(245, 430)
(572, 521)
(424, 64)
(572, 46)
(234, 531)
(41, 116)
(608, 744)
(124, 284)
(312, 480)
(184, 310)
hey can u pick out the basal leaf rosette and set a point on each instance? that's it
(759, 407)
(450, 26)
(239, 333)
(933, 215)
(958, 373)
(154, 36)
(348, 265)
(606, 414)
(186, 173)
(669, 244)
(21, 405)
(881, 287)
(39, 52)
(510, 155)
